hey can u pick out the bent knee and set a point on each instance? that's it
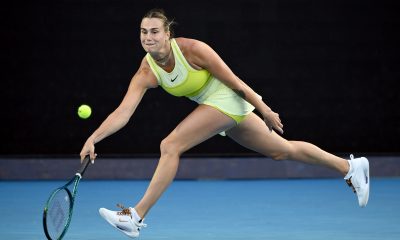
(169, 146)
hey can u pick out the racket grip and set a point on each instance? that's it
(84, 165)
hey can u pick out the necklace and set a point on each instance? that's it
(164, 60)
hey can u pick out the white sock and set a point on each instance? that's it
(348, 175)
(135, 215)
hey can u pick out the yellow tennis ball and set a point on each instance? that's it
(84, 111)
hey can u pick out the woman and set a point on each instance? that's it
(188, 67)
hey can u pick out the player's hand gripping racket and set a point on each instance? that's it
(57, 212)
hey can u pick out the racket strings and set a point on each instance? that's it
(124, 211)
(58, 214)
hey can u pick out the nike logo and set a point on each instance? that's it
(124, 228)
(172, 80)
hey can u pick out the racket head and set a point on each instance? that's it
(57, 213)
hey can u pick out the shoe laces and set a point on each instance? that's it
(127, 212)
(348, 181)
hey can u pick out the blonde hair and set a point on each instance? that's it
(160, 14)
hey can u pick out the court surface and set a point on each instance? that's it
(210, 209)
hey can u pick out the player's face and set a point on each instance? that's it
(153, 35)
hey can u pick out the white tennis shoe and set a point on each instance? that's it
(358, 178)
(123, 221)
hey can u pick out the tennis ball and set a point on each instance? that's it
(84, 111)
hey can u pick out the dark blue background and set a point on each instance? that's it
(329, 68)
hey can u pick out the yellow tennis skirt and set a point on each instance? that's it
(218, 95)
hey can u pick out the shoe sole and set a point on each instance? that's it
(115, 226)
(366, 173)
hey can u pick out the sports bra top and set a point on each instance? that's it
(183, 80)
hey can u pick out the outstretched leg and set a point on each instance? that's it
(253, 134)
(203, 123)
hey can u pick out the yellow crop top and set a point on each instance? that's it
(183, 80)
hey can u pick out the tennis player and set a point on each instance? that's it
(191, 68)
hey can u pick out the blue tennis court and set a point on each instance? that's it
(167, 76)
(215, 209)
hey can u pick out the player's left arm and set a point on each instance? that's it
(204, 56)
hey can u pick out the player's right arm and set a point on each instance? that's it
(140, 82)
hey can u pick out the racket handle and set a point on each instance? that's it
(84, 165)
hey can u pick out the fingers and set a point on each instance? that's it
(93, 157)
(83, 155)
(278, 124)
(279, 129)
(88, 151)
(275, 123)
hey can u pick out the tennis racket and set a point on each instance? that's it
(57, 212)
